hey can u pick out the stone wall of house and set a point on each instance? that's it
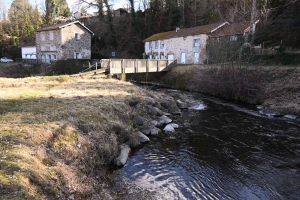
(185, 46)
(71, 45)
(178, 47)
(43, 47)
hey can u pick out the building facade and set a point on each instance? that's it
(188, 46)
(63, 41)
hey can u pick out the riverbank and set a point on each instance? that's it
(273, 87)
(59, 135)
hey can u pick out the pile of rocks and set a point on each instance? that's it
(152, 116)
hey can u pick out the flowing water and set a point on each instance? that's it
(220, 151)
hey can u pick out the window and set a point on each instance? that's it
(43, 37)
(51, 35)
(156, 44)
(196, 42)
(54, 57)
(52, 47)
(77, 55)
(162, 44)
(233, 38)
(77, 36)
(147, 46)
(162, 56)
(43, 48)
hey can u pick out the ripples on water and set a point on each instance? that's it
(220, 151)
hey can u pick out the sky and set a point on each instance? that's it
(73, 7)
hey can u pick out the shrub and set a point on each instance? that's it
(70, 66)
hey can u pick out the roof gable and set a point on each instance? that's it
(206, 29)
(62, 25)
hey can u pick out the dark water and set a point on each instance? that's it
(222, 152)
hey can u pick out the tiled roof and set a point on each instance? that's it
(206, 29)
(232, 29)
(62, 25)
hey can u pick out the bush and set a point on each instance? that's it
(223, 50)
(70, 66)
(276, 59)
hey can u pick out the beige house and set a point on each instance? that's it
(187, 46)
(63, 41)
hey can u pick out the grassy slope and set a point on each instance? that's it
(272, 86)
(55, 131)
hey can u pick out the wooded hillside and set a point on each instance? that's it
(124, 33)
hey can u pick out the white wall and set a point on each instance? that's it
(177, 46)
(30, 51)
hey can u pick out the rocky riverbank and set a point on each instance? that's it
(275, 89)
(59, 135)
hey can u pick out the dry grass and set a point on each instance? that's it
(56, 131)
(276, 87)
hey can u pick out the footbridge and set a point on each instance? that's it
(125, 66)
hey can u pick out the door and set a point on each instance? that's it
(196, 58)
(182, 59)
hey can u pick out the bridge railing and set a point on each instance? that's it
(121, 66)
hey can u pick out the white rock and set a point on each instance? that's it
(169, 128)
(122, 158)
(164, 120)
(155, 131)
(174, 125)
(141, 137)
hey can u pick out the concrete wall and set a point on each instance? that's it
(64, 44)
(29, 52)
(179, 47)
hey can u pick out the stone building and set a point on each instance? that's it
(187, 46)
(63, 41)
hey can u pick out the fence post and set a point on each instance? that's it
(147, 65)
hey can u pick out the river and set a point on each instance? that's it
(220, 151)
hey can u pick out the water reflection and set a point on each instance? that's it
(220, 152)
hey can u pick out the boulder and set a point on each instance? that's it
(141, 137)
(164, 120)
(138, 120)
(169, 128)
(133, 102)
(155, 131)
(121, 160)
(174, 125)
(175, 111)
(146, 131)
(155, 111)
(181, 104)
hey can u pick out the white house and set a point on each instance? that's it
(28, 51)
(187, 45)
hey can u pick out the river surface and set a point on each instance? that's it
(220, 151)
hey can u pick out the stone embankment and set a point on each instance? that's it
(153, 116)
